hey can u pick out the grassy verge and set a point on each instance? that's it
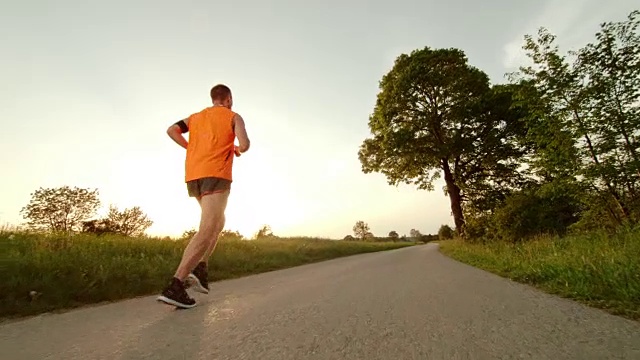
(70, 272)
(597, 269)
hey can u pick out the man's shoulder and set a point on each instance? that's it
(200, 113)
(219, 110)
(214, 112)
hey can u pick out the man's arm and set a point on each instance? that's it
(241, 134)
(176, 130)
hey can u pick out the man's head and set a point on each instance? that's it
(221, 95)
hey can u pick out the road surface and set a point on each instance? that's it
(412, 303)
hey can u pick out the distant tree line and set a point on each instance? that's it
(555, 150)
(263, 233)
(225, 234)
(73, 210)
(361, 232)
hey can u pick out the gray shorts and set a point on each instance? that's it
(209, 185)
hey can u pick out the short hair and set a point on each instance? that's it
(220, 92)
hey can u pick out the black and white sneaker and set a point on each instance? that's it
(198, 279)
(175, 294)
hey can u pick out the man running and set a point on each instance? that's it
(208, 174)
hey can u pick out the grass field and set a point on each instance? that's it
(69, 272)
(597, 269)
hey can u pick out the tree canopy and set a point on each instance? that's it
(436, 115)
(60, 209)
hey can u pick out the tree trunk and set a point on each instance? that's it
(594, 157)
(620, 117)
(454, 196)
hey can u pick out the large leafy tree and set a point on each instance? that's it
(60, 209)
(435, 116)
(552, 145)
(492, 164)
(612, 66)
(585, 121)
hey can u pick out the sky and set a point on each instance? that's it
(89, 89)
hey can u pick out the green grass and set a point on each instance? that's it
(71, 272)
(597, 269)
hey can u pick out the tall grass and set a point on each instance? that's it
(44, 273)
(598, 269)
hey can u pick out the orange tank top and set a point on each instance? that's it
(211, 144)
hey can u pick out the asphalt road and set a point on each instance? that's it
(412, 303)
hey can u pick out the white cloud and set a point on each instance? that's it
(574, 22)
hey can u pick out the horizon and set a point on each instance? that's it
(101, 99)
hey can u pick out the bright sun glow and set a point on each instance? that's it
(254, 201)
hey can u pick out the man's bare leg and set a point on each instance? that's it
(199, 276)
(213, 207)
(214, 241)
